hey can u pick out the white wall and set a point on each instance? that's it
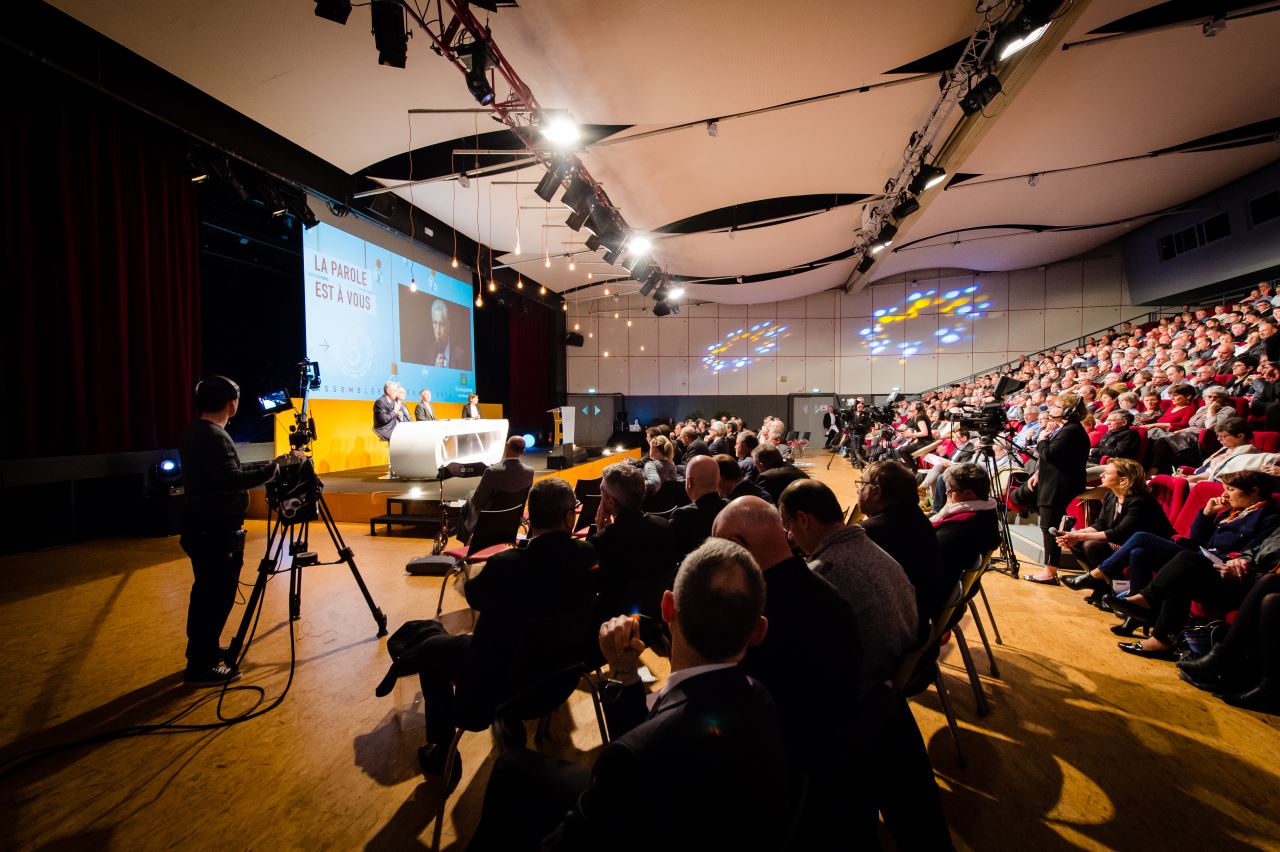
(821, 347)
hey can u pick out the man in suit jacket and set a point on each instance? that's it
(719, 441)
(705, 764)
(507, 476)
(423, 410)
(733, 483)
(861, 751)
(450, 350)
(887, 496)
(689, 445)
(389, 411)
(638, 555)
(775, 474)
(536, 606)
(691, 524)
(743, 447)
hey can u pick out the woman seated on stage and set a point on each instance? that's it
(1127, 509)
(658, 468)
(1242, 518)
(1236, 453)
(1248, 656)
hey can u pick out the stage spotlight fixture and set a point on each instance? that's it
(651, 283)
(389, 34)
(1016, 37)
(927, 178)
(333, 10)
(866, 263)
(980, 94)
(557, 171)
(593, 243)
(611, 256)
(576, 220)
(559, 129)
(639, 244)
(475, 57)
(661, 309)
(641, 269)
(615, 239)
(675, 293)
(905, 208)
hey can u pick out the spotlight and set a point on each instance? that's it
(675, 293)
(639, 245)
(577, 219)
(866, 263)
(661, 309)
(905, 208)
(1016, 38)
(980, 94)
(611, 256)
(560, 130)
(389, 34)
(927, 178)
(476, 57)
(640, 269)
(557, 171)
(199, 174)
(593, 243)
(333, 10)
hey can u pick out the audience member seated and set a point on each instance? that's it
(775, 474)
(963, 449)
(718, 440)
(536, 615)
(1240, 519)
(874, 585)
(658, 468)
(967, 526)
(1236, 453)
(689, 445)
(1121, 441)
(637, 551)
(887, 496)
(1244, 666)
(733, 482)
(1183, 447)
(667, 770)
(1151, 410)
(919, 434)
(691, 524)
(1182, 408)
(508, 476)
(1127, 509)
(858, 753)
(743, 448)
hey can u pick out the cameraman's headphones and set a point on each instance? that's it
(214, 392)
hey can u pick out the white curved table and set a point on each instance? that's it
(419, 449)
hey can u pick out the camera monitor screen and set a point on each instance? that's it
(373, 316)
(275, 402)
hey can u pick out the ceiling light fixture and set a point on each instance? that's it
(560, 130)
(333, 10)
(389, 34)
(905, 208)
(557, 171)
(1016, 43)
(639, 244)
(927, 178)
(980, 94)
(476, 59)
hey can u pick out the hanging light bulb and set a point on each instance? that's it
(606, 291)
(615, 314)
(572, 265)
(517, 242)
(591, 334)
(547, 263)
(455, 263)
(641, 347)
(542, 291)
(565, 307)
(413, 285)
(589, 276)
(577, 327)
(519, 283)
(628, 323)
(492, 286)
(479, 301)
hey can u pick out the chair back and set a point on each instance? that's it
(586, 487)
(500, 524)
(669, 495)
(544, 695)
(587, 512)
(1266, 442)
(1170, 492)
(915, 673)
(1197, 498)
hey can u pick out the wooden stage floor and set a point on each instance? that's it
(1085, 747)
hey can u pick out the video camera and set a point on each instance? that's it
(295, 490)
(988, 420)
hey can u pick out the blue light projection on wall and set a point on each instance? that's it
(760, 339)
(960, 303)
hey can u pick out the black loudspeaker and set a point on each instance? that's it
(572, 338)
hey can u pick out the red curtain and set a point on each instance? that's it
(531, 361)
(100, 239)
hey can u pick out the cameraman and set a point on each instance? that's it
(216, 501)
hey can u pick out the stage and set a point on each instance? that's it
(355, 496)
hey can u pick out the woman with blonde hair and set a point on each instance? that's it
(658, 468)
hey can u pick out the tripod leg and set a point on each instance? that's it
(348, 556)
(265, 568)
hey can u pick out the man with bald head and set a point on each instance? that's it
(860, 750)
(691, 524)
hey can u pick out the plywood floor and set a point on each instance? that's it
(1085, 747)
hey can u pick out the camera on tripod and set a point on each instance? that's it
(989, 420)
(294, 492)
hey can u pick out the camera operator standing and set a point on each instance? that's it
(216, 501)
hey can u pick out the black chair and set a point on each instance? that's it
(496, 530)
(669, 495)
(586, 514)
(920, 668)
(586, 487)
(538, 701)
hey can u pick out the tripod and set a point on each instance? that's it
(851, 442)
(291, 527)
(986, 458)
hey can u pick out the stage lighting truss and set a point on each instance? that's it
(550, 136)
(1006, 27)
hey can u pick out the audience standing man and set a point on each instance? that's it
(509, 476)
(691, 524)
(703, 767)
(216, 501)
(423, 410)
(389, 411)
(874, 585)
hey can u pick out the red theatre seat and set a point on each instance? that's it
(1197, 498)
(1170, 492)
(1267, 442)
